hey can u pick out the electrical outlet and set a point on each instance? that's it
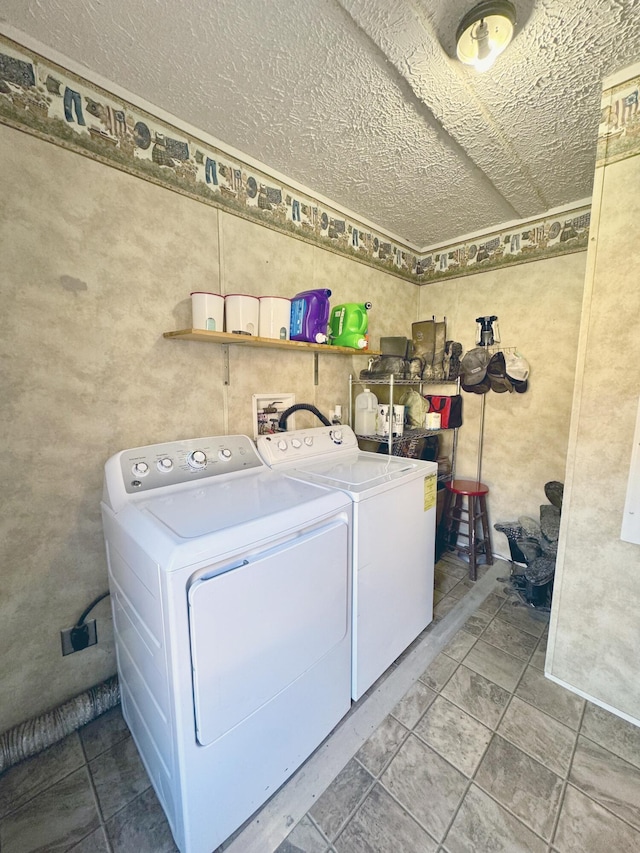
(75, 639)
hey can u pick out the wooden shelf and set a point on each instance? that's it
(269, 343)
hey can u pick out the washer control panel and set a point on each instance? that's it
(157, 465)
(306, 443)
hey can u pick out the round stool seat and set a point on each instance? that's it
(470, 488)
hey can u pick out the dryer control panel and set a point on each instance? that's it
(155, 466)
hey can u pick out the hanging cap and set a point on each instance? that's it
(479, 388)
(474, 366)
(517, 367)
(518, 372)
(497, 373)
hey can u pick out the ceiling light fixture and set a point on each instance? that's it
(485, 32)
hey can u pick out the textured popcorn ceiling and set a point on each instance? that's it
(361, 100)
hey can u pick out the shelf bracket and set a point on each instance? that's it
(225, 365)
(315, 368)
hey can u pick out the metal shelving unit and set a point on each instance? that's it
(409, 434)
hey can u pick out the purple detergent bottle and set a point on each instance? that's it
(310, 316)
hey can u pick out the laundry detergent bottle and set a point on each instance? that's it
(310, 316)
(349, 324)
(366, 409)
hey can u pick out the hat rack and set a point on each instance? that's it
(492, 349)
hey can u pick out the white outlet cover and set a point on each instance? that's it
(267, 408)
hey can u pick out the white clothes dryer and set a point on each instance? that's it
(394, 517)
(231, 596)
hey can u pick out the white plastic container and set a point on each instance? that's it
(432, 420)
(207, 310)
(366, 408)
(382, 419)
(275, 317)
(241, 313)
(398, 420)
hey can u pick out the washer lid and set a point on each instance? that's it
(212, 506)
(357, 473)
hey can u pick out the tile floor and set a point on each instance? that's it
(481, 753)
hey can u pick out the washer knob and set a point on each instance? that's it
(336, 435)
(197, 459)
(140, 469)
(224, 454)
(295, 442)
(165, 464)
(308, 440)
(282, 444)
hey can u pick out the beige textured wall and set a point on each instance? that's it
(95, 266)
(595, 626)
(525, 435)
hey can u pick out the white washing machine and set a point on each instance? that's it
(394, 519)
(231, 594)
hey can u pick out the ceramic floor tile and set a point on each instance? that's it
(522, 785)
(103, 733)
(539, 735)
(119, 777)
(538, 658)
(612, 732)
(425, 785)
(413, 704)
(477, 623)
(443, 608)
(465, 585)
(481, 825)
(439, 672)
(443, 582)
(458, 591)
(453, 567)
(476, 695)
(509, 638)
(550, 697)
(376, 753)
(304, 838)
(491, 604)
(523, 617)
(94, 843)
(54, 820)
(543, 641)
(25, 780)
(141, 827)
(454, 735)
(496, 665)
(381, 825)
(458, 647)
(340, 799)
(611, 781)
(586, 827)
(437, 596)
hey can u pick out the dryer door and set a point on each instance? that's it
(263, 620)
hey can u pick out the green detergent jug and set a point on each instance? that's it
(348, 325)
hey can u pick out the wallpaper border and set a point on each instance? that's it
(40, 97)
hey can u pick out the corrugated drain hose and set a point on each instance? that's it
(282, 423)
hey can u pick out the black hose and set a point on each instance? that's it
(282, 423)
(88, 609)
